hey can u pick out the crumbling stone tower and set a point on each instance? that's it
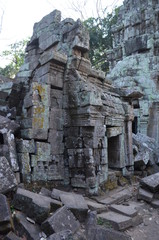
(134, 61)
(74, 126)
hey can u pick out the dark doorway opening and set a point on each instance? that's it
(134, 125)
(114, 152)
(1, 138)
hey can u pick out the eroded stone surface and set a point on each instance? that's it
(11, 236)
(76, 203)
(133, 65)
(144, 195)
(151, 182)
(62, 219)
(66, 235)
(26, 229)
(129, 211)
(7, 177)
(120, 197)
(103, 233)
(35, 205)
(5, 215)
(115, 220)
(94, 206)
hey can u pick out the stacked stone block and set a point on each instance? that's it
(68, 110)
(134, 61)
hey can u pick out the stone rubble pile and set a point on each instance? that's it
(74, 124)
(149, 190)
(145, 152)
(63, 121)
(39, 217)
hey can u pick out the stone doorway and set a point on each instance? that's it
(116, 149)
(135, 125)
(114, 152)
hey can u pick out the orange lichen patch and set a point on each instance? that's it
(38, 122)
(38, 110)
(40, 89)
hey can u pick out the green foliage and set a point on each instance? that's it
(101, 38)
(15, 55)
(104, 223)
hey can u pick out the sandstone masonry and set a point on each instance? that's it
(73, 123)
(134, 61)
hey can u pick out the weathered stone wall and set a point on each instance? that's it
(74, 125)
(8, 127)
(134, 61)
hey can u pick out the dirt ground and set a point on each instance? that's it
(149, 229)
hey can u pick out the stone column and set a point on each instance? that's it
(128, 142)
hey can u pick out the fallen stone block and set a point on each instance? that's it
(90, 223)
(65, 235)
(7, 178)
(5, 215)
(129, 211)
(155, 203)
(11, 236)
(76, 203)
(103, 233)
(121, 196)
(94, 206)
(45, 192)
(56, 193)
(115, 220)
(117, 198)
(35, 205)
(80, 235)
(106, 200)
(144, 195)
(62, 219)
(25, 229)
(91, 219)
(151, 182)
(137, 220)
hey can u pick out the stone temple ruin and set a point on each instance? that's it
(73, 124)
(134, 61)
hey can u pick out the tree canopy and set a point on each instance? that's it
(15, 55)
(101, 38)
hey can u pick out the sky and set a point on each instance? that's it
(17, 17)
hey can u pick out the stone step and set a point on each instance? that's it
(116, 198)
(129, 211)
(115, 220)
